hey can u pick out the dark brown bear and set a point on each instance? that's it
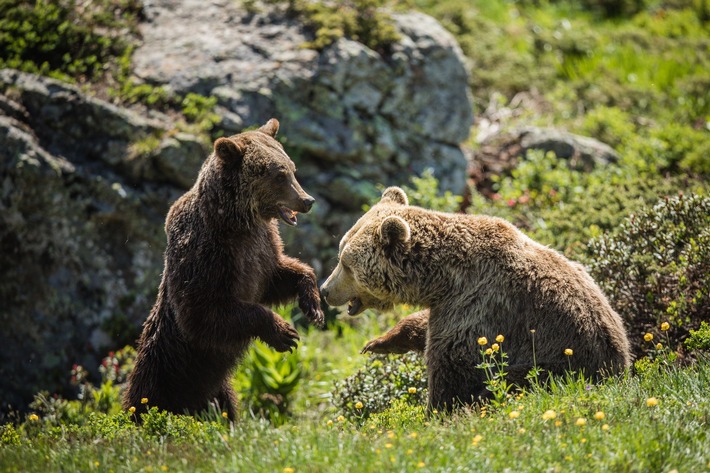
(224, 263)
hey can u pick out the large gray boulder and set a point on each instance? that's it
(351, 117)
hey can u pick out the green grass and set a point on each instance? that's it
(631, 436)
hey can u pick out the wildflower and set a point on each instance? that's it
(164, 468)
(34, 417)
(514, 414)
(558, 423)
(583, 440)
(388, 445)
(599, 415)
(413, 435)
(329, 423)
(358, 405)
(412, 390)
(495, 347)
(605, 427)
(340, 419)
(500, 338)
(532, 330)
(144, 400)
(581, 422)
(477, 439)
(288, 469)
(521, 430)
(665, 326)
(651, 402)
(659, 346)
(549, 414)
(96, 464)
(569, 352)
(483, 341)
(648, 337)
(132, 410)
(421, 465)
(225, 415)
(488, 352)
(410, 451)
(391, 434)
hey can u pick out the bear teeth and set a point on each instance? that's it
(354, 306)
(288, 216)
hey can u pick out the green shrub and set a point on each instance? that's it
(699, 340)
(378, 384)
(424, 192)
(266, 379)
(655, 268)
(65, 39)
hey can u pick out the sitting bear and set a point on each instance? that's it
(478, 276)
(224, 262)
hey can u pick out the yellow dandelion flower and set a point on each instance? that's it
(483, 341)
(514, 414)
(329, 423)
(500, 338)
(549, 414)
(581, 422)
(97, 464)
(599, 415)
(569, 352)
(648, 337)
(412, 390)
(144, 400)
(288, 469)
(391, 434)
(558, 423)
(413, 435)
(132, 410)
(495, 347)
(651, 402)
(488, 352)
(421, 465)
(388, 445)
(358, 405)
(33, 417)
(477, 439)
(340, 419)
(583, 440)
(224, 414)
(410, 451)
(605, 427)
(665, 326)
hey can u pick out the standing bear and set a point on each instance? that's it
(224, 263)
(478, 276)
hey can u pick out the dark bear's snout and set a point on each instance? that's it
(308, 202)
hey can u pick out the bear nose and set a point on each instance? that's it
(324, 292)
(308, 202)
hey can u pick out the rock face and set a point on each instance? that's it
(85, 185)
(351, 118)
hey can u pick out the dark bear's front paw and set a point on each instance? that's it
(311, 308)
(283, 337)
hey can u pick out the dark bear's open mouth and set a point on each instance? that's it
(354, 306)
(288, 216)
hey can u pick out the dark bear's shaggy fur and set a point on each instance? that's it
(478, 276)
(224, 262)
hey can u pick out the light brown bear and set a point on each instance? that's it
(224, 264)
(478, 276)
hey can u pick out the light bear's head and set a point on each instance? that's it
(371, 266)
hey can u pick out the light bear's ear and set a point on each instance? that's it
(395, 195)
(270, 128)
(395, 233)
(229, 150)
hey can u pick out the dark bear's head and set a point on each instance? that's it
(257, 176)
(370, 273)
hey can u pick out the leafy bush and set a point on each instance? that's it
(656, 267)
(424, 192)
(359, 20)
(266, 379)
(699, 340)
(65, 39)
(378, 384)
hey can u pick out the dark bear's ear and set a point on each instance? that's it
(229, 150)
(395, 233)
(270, 128)
(395, 195)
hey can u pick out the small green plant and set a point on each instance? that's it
(266, 380)
(699, 340)
(378, 384)
(424, 192)
(494, 362)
